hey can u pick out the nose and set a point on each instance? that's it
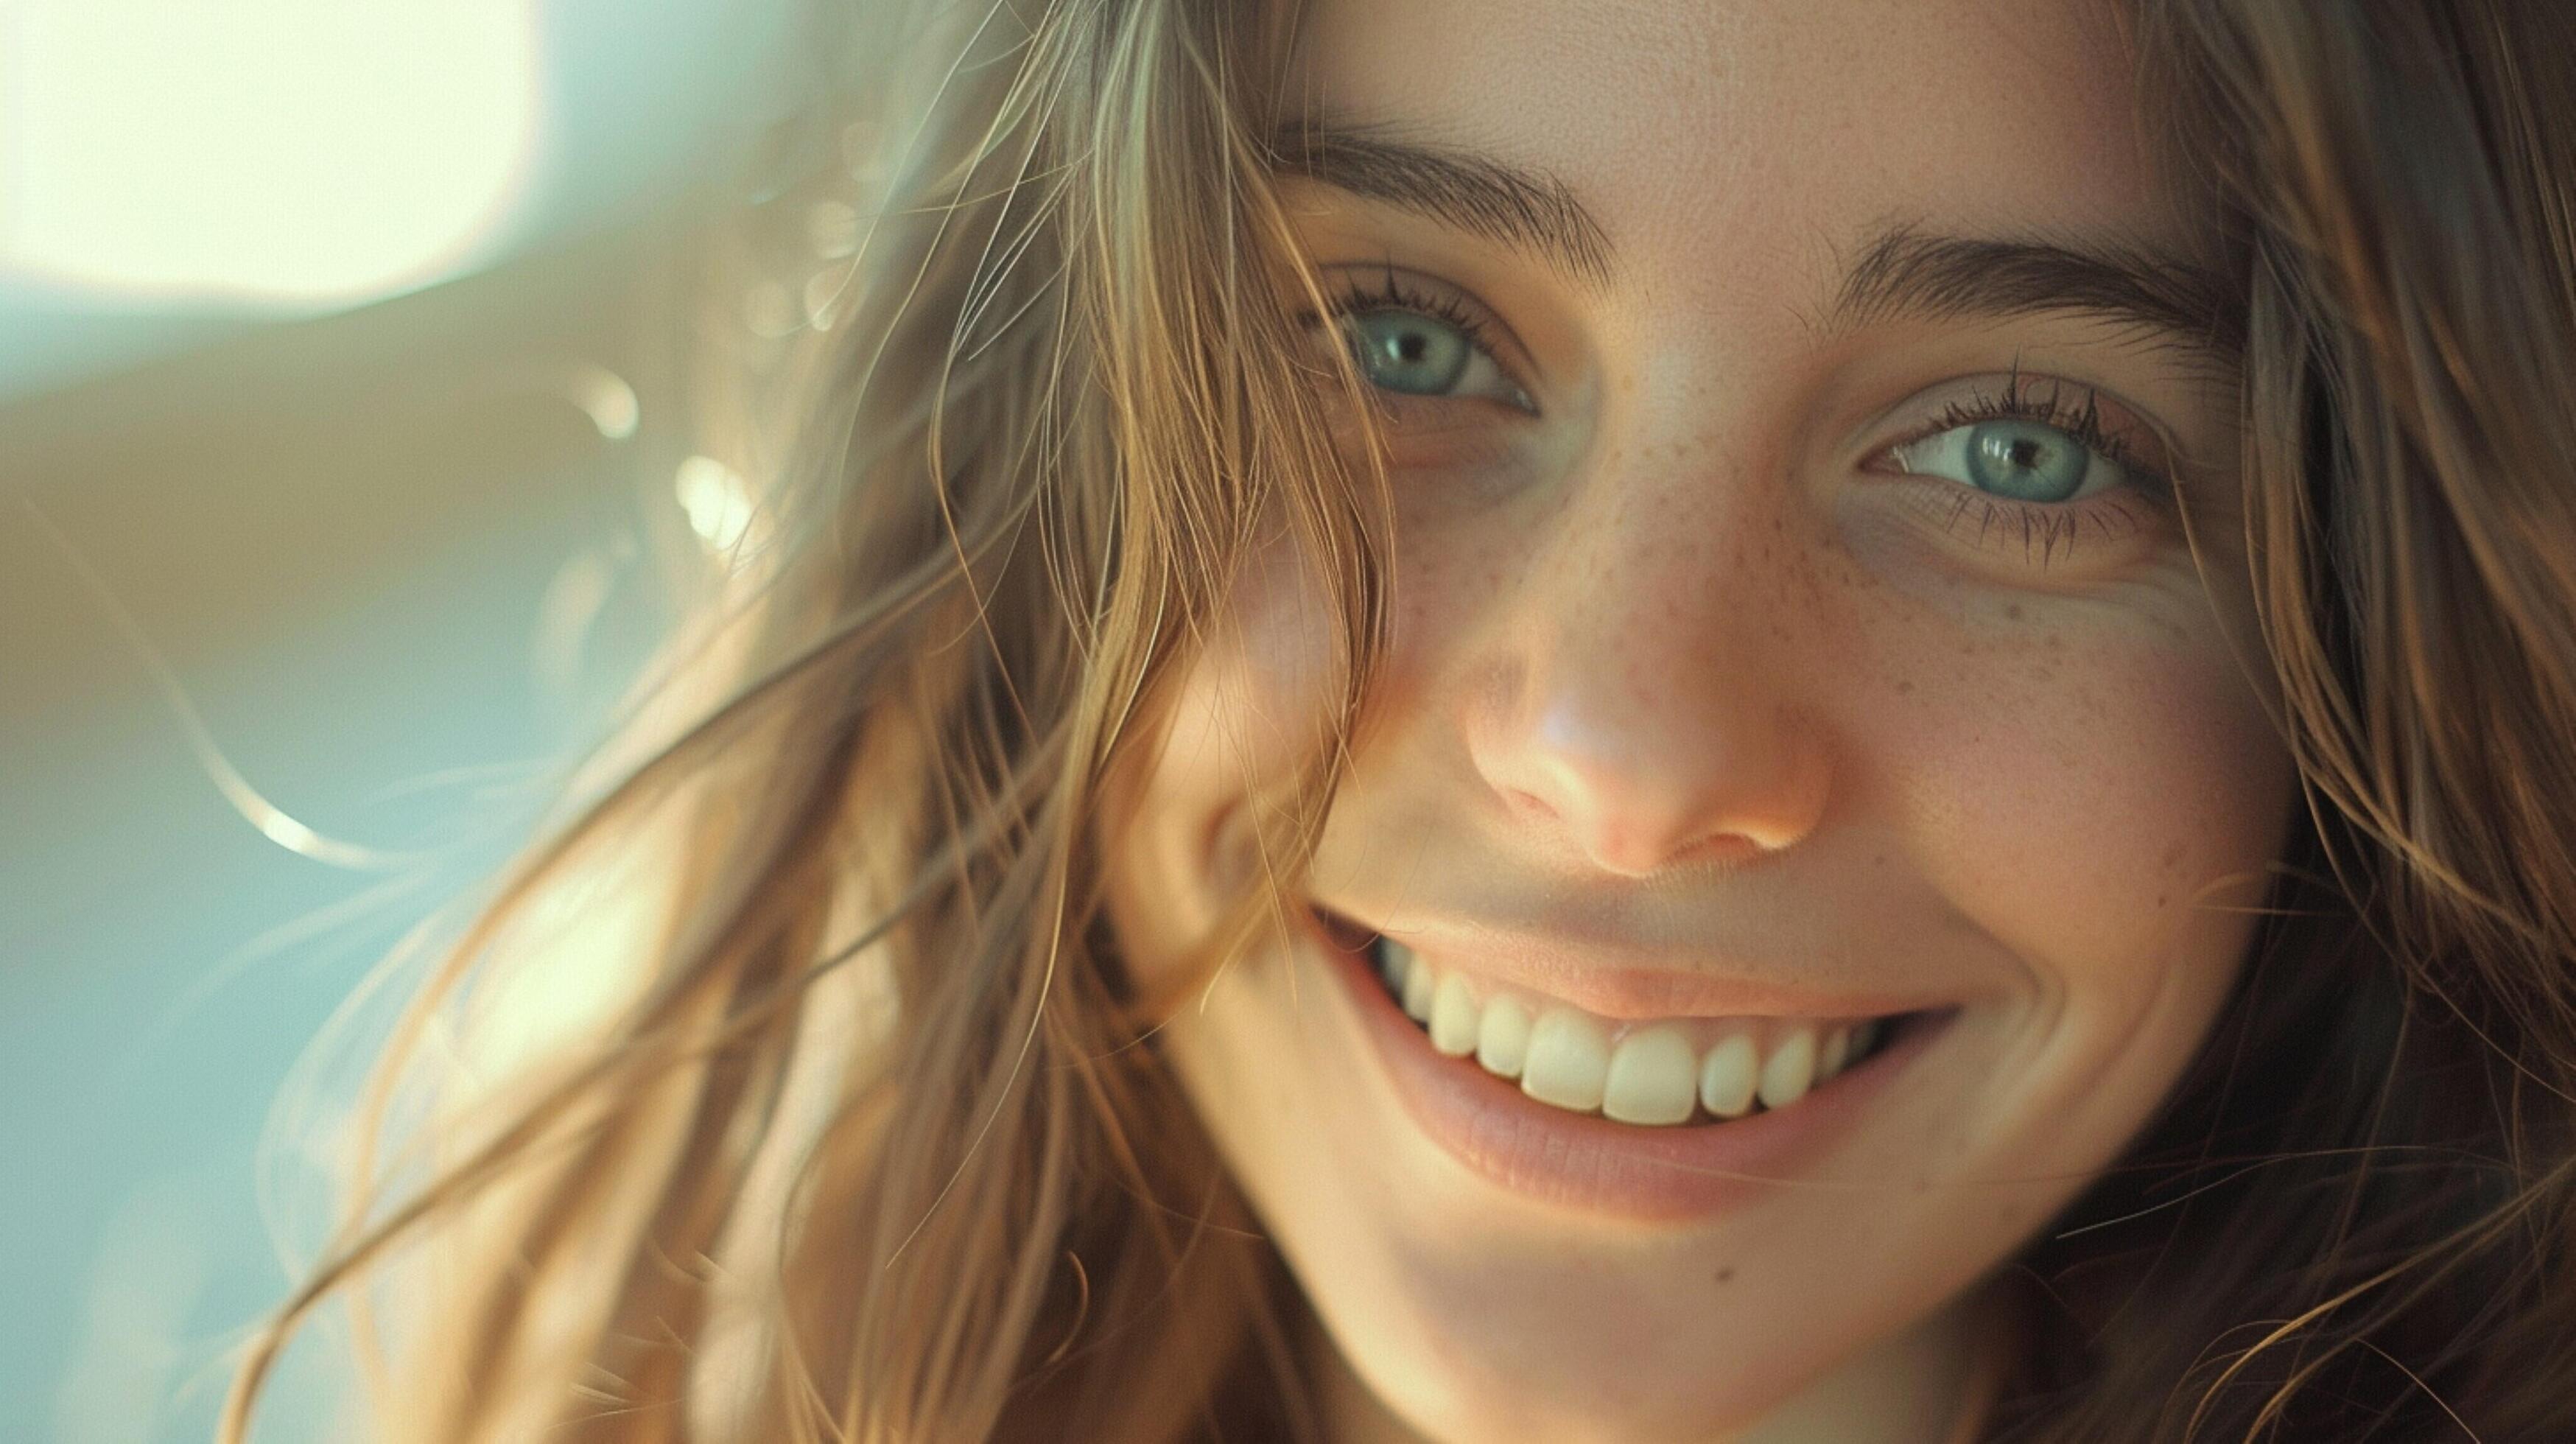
(1654, 721)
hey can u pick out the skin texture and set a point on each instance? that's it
(1686, 673)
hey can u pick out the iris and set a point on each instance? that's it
(2026, 460)
(1409, 352)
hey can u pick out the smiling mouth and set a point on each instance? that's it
(1644, 1072)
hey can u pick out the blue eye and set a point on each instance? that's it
(1409, 352)
(2014, 458)
(1411, 347)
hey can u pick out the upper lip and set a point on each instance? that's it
(1610, 981)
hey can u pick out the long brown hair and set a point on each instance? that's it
(2356, 1218)
(862, 1133)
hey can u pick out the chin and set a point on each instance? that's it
(1498, 1256)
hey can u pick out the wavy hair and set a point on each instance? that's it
(859, 1131)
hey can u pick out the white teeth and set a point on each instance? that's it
(1728, 1076)
(1502, 1039)
(1651, 1078)
(1654, 1076)
(1790, 1070)
(1421, 986)
(1568, 1063)
(1836, 1052)
(1454, 1018)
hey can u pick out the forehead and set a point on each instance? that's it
(1697, 130)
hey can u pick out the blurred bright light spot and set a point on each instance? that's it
(717, 501)
(305, 151)
(609, 400)
(577, 958)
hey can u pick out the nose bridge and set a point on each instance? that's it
(1649, 707)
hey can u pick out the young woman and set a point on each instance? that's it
(1641, 720)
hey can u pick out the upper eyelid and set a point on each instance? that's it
(1518, 365)
(1928, 412)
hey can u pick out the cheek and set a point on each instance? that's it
(2083, 768)
(1241, 722)
(2102, 794)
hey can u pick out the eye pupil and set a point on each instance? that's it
(2026, 460)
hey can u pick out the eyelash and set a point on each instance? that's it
(2048, 530)
(2083, 423)
(1396, 293)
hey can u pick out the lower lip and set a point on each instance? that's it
(1591, 1164)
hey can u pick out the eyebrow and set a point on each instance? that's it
(1905, 270)
(1901, 270)
(1478, 194)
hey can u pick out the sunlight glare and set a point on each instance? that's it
(305, 152)
(717, 501)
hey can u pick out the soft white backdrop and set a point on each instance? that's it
(171, 170)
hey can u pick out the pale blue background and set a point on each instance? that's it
(342, 535)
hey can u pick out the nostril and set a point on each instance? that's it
(1723, 850)
(1528, 803)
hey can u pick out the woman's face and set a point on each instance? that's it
(1798, 658)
